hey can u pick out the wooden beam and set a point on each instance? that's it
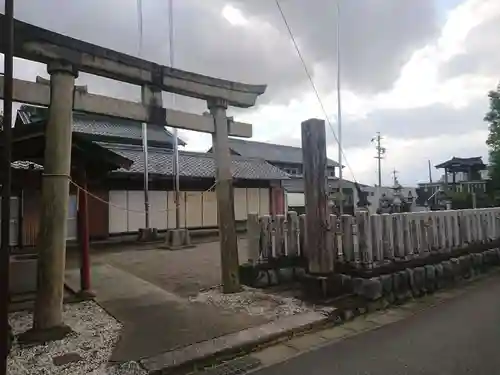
(39, 94)
(319, 255)
(37, 44)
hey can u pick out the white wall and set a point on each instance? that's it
(197, 209)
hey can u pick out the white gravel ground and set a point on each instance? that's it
(254, 302)
(94, 336)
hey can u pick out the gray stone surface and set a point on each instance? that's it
(477, 261)
(370, 289)
(410, 272)
(449, 338)
(249, 336)
(456, 268)
(156, 320)
(419, 280)
(387, 284)
(401, 285)
(430, 278)
(440, 278)
(447, 271)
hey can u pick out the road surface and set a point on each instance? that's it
(458, 336)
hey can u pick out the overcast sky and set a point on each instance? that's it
(416, 71)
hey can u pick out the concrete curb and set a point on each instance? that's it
(201, 354)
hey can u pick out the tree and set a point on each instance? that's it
(493, 119)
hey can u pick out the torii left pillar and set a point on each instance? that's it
(48, 324)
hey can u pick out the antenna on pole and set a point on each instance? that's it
(430, 171)
(380, 155)
(395, 176)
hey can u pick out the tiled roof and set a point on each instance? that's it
(270, 152)
(102, 126)
(21, 164)
(476, 161)
(193, 164)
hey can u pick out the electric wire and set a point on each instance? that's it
(313, 85)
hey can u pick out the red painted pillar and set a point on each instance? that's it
(83, 235)
(277, 200)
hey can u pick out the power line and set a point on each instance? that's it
(316, 92)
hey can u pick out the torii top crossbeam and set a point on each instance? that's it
(41, 45)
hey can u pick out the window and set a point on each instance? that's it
(292, 171)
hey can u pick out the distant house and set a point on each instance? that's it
(289, 160)
(468, 175)
(116, 205)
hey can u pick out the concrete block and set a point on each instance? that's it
(455, 269)
(447, 272)
(430, 278)
(497, 257)
(285, 275)
(401, 286)
(357, 285)
(262, 280)
(273, 277)
(489, 257)
(387, 284)
(411, 281)
(419, 280)
(465, 266)
(370, 289)
(440, 278)
(477, 261)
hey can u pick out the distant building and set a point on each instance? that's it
(468, 175)
(289, 160)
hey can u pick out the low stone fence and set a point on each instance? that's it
(366, 246)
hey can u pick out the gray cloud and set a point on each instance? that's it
(481, 54)
(431, 121)
(377, 39)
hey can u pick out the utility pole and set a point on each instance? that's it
(430, 172)
(144, 131)
(8, 40)
(380, 155)
(174, 130)
(339, 115)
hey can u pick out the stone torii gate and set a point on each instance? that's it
(65, 57)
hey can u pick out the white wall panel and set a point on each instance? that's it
(194, 215)
(240, 203)
(209, 209)
(158, 204)
(171, 209)
(136, 216)
(264, 202)
(118, 218)
(253, 197)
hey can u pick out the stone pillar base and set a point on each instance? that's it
(85, 295)
(177, 239)
(41, 336)
(148, 235)
(320, 288)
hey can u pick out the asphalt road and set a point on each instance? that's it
(458, 336)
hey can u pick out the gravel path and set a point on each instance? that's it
(85, 351)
